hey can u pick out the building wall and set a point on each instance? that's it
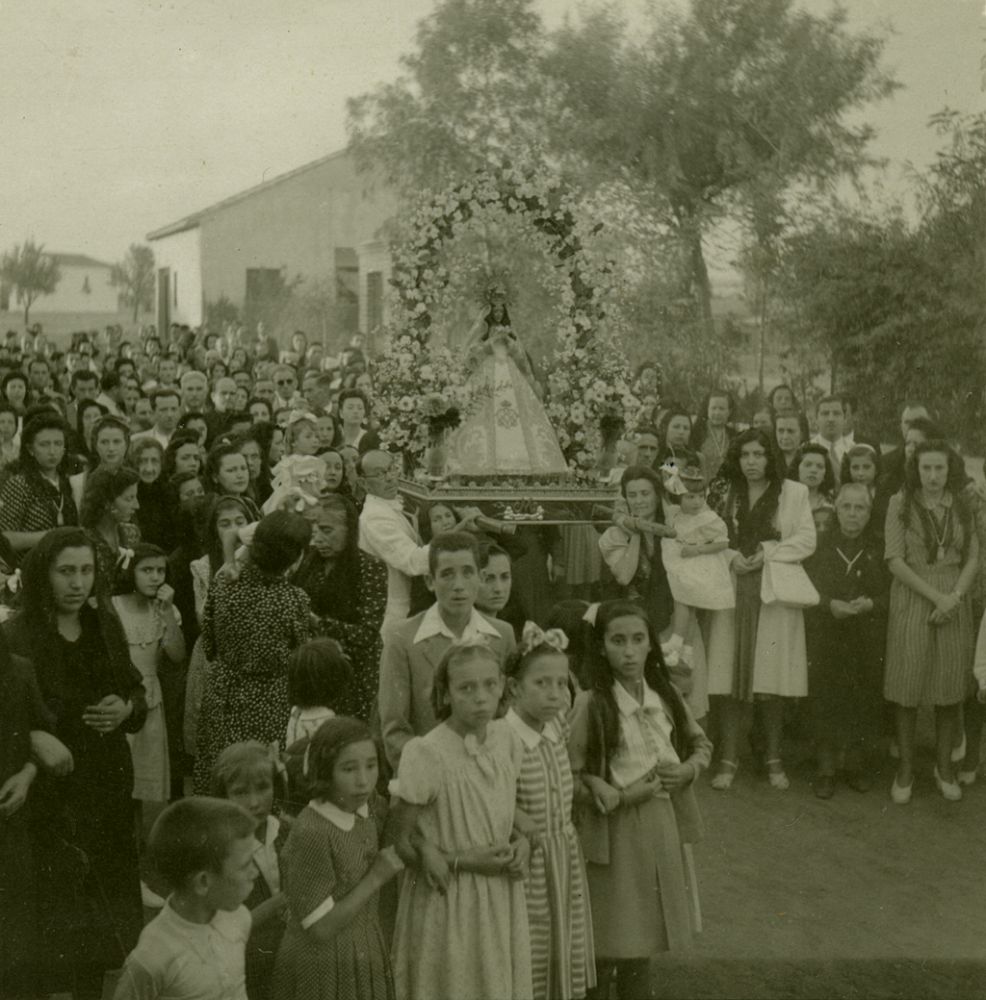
(71, 295)
(374, 290)
(294, 226)
(181, 253)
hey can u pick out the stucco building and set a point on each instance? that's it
(321, 222)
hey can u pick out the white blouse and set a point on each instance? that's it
(645, 737)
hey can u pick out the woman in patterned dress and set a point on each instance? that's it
(348, 591)
(713, 430)
(932, 551)
(562, 953)
(252, 621)
(38, 497)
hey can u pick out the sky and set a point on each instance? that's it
(120, 116)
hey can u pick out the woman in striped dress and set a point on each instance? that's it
(562, 963)
(932, 552)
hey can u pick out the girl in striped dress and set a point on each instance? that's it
(562, 962)
(932, 552)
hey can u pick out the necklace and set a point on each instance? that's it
(58, 501)
(940, 536)
(849, 562)
(719, 443)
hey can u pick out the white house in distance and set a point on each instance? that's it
(84, 299)
(84, 287)
(320, 221)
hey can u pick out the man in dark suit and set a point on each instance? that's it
(413, 648)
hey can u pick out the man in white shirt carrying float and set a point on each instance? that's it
(390, 534)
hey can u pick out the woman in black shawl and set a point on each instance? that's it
(84, 834)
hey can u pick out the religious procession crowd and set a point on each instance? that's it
(334, 747)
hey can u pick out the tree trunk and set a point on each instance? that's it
(690, 231)
(763, 307)
(700, 274)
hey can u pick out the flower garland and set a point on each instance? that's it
(421, 388)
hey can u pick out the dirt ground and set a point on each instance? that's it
(851, 897)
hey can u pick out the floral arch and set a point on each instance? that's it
(421, 386)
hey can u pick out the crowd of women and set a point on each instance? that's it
(187, 607)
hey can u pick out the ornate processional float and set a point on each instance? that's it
(510, 408)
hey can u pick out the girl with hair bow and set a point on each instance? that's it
(562, 950)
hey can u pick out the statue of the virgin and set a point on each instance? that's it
(507, 433)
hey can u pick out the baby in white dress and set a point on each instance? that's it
(696, 559)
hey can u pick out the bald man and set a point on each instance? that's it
(389, 534)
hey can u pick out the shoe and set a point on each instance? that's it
(150, 899)
(723, 780)
(858, 781)
(901, 794)
(951, 791)
(778, 779)
(958, 753)
(967, 777)
(824, 786)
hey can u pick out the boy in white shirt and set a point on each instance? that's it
(194, 948)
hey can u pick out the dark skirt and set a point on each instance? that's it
(845, 677)
(87, 866)
(747, 621)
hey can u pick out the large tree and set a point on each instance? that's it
(134, 276)
(899, 309)
(703, 104)
(30, 272)
(469, 91)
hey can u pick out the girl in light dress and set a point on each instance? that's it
(636, 751)
(557, 890)
(153, 629)
(333, 948)
(462, 927)
(696, 559)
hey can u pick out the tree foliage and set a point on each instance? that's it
(710, 106)
(900, 310)
(134, 276)
(30, 272)
(470, 92)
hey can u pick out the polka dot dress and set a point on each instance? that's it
(249, 627)
(322, 860)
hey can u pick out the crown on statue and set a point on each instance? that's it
(496, 293)
(496, 288)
